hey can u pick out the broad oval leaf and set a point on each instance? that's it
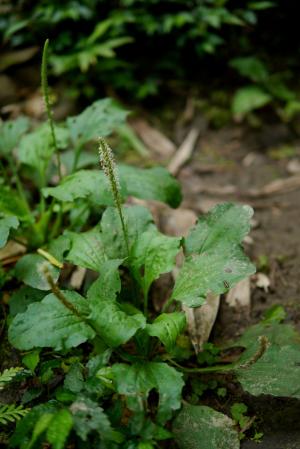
(201, 427)
(216, 260)
(167, 327)
(99, 119)
(49, 323)
(87, 249)
(29, 269)
(150, 183)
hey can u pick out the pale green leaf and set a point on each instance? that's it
(216, 260)
(137, 220)
(277, 370)
(29, 269)
(249, 98)
(99, 119)
(36, 149)
(151, 184)
(137, 380)
(10, 134)
(225, 224)
(87, 249)
(50, 324)
(89, 184)
(201, 427)
(12, 204)
(113, 324)
(6, 224)
(167, 327)
(152, 255)
(106, 241)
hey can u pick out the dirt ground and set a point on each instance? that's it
(234, 164)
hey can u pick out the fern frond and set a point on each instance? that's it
(12, 413)
(8, 375)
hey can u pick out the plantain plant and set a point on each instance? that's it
(104, 368)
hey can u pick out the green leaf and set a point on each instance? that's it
(137, 220)
(215, 259)
(89, 417)
(251, 67)
(89, 184)
(137, 380)
(225, 224)
(59, 429)
(114, 325)
(167, 327)
(106, 241)
(151, 184)
(74, 379)
(6, 224)
(21, 298)
(153, 253)
(99, 119)
(201, 427)
(10, 134)
(36, 149)
(87, 249)
(12, 204)
(277, 371)
(50, 324)
(249, 98)
(29, 269)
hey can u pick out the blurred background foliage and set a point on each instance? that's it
(243, 55)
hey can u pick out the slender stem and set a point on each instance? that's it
(76, 158)
(263, 346)
(18, 182)
(58, 293)
(45, 89)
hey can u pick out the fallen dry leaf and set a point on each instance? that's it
(262, 281)
(154, 139)
(200, 321)
(277, 187)
(184, 152)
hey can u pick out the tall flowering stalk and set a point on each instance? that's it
(108, 165)
(45, 90)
